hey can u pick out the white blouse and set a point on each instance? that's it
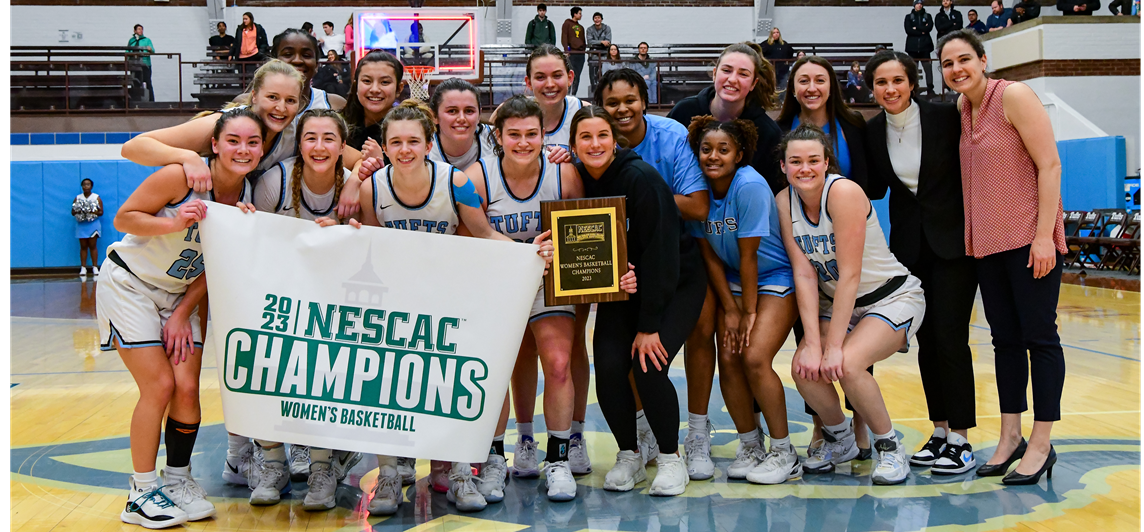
(904, 142)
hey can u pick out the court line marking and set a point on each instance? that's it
(1076, 347)
(1108, 412)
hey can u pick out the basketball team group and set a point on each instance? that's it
(741, 229)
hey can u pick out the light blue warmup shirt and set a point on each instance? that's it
(665, 147)
(748, 210)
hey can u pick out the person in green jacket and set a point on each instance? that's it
(540, 29)
(144, 76)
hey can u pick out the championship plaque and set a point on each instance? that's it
(591, 250)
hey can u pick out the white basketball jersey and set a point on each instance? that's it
(511, 216)
(169, 262)
(817, 243)
(561, 136)
(274, 193)
(485, 143)
(437, 214)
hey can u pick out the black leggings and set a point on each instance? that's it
(1022, 314)
(612, 353)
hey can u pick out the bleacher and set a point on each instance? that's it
(75, 77)
(218, 79)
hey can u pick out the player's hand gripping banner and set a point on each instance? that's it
(374, 340)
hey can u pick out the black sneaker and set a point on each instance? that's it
(956, 459)
(929, 453)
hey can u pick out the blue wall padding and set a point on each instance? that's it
(27, 207)
(43, 229)
(61, 184)
(1092, 173)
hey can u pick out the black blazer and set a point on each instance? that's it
(937, 209)
(855, 139)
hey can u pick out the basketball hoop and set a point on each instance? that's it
(417, 76)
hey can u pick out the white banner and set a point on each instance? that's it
(373, 340)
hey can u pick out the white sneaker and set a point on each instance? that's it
(272, 482)
(748, 457)
(698, 450)
(323, 487)
(299, 460)
(188, 495)
(833, 451)
(149, 507)
(628, 471)
(778, 466)
(524, 461)
(236, 469)
(407, 469)
(95, 271)
(649, 449)
(578, 455)
(82, 271)
(491, 481)
(558, 478)
(463, 491)
(671, 478)
(387, 493)
(342, 462)
(893, 466)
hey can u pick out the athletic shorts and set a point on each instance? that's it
(768, 289)
(540, 311)
(901, 309)
(134, 312)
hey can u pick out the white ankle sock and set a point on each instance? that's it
(838, 430)
(275, 454)
(177, 471)
(939, 432)
(524, 429)
(887, 436)
(235, 443)
(320, 455)
(783, 443)
(145, 480)
(562, 434)
(696, 424)
(749, 438)
(577, 427)
(383, 460)
(641, 422)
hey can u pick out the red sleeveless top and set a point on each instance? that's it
(999, 180)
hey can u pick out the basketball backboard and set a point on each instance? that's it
(444, 39)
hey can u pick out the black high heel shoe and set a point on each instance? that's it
(1017, 479)
(996, 470)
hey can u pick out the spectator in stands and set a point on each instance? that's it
(1019, 242)
(1077, 7)
(250, 42)
(599, 39)
(976, 24)
(919, 45)
(143, 76)
(744, 88)
(814, 95)
(1121, 7)
(348, 30)
(779, 53)
(856, 90)
(540, 29)
(927, 217)
(572, 38)
(947, 19)
(309, 28)
(801, 54)
(87, 208)
(222, 40)
(335, 42)
(649, 70)
(333, 77)
(999, 20)
(613, 60)
(1022, 11)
